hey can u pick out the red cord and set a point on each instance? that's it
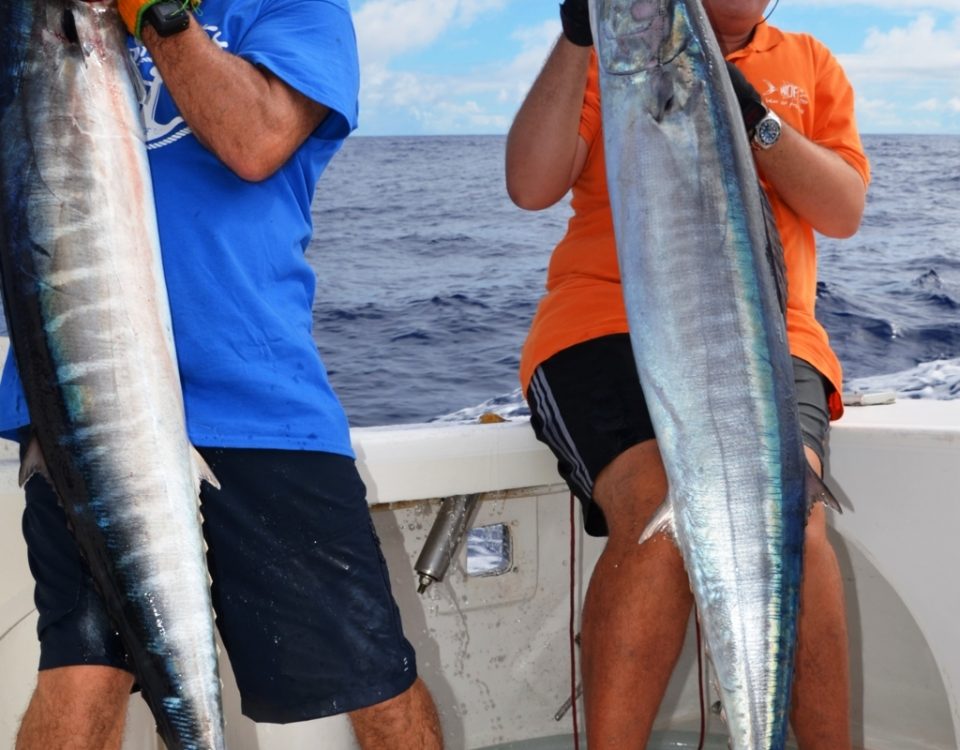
(573, 650)
(573, 647)
(703, 713)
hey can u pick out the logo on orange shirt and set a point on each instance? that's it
(787, 95)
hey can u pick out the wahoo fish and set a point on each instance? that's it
(698, 258)
(90, 329)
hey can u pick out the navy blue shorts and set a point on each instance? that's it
(300, 586)
(586, 404)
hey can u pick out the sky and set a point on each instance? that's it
(447, 67)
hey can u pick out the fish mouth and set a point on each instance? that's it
(68, 26)
(642, 37)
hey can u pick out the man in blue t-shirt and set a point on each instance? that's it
(244, 108)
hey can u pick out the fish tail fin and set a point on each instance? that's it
(817, 491)
(662, 522)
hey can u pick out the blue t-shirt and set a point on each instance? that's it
(241, 292)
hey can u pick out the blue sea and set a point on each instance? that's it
(429, 276)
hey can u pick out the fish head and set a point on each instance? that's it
(83, 26)
(655, 43)
(41, 37)
(54, 26)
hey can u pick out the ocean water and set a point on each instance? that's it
(429, 276)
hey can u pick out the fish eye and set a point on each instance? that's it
(68, 25)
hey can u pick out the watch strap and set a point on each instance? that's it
(753, 112)
(167, 17)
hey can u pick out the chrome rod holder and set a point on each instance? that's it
(445, 537)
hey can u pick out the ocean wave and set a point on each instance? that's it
(930, 380)
(939, 379)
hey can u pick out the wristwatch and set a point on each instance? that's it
(168, 17)
(767, 131)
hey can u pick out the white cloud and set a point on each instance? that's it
(469, 9)
(905, 76)
(876, 109)
(920, 48)
(514, 78)
(387, 28)
(481, 100)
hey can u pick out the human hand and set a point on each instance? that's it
(751, 103)
(166, 16)
(575, 19)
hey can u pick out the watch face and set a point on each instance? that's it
(768, 132)
(167, 17)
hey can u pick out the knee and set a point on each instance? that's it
(630, 490)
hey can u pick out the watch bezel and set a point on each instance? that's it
(768, 130)
(167, 17)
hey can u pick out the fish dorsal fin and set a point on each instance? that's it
(204, 472)
(775, 252)
(33, 463)
(661, 523)
(818, 492)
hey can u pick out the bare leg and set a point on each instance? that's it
(76, 708)
(821, 688)
(407, 722)
(636, 608)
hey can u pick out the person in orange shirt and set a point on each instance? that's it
(578, 373)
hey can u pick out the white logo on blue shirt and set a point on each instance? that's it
(162, 119)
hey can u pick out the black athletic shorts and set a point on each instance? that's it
(300, 586)
(586, 404)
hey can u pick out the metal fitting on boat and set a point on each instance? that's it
(444, 538)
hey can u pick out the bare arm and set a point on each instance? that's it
(815, 182)
(545, 153)
(247, 116)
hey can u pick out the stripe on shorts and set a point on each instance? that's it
(556, 431)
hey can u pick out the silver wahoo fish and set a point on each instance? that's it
(89, 323)
(698, 260)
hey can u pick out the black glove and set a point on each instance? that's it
(575, 19)
(751, 103)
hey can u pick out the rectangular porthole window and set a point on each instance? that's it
(488, 550)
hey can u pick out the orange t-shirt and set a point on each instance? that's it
(800, 79)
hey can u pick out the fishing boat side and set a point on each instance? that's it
(492, 642)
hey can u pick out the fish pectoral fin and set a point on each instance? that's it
(661, 523)
(204, 472)
(33, 463)
(817, 491)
